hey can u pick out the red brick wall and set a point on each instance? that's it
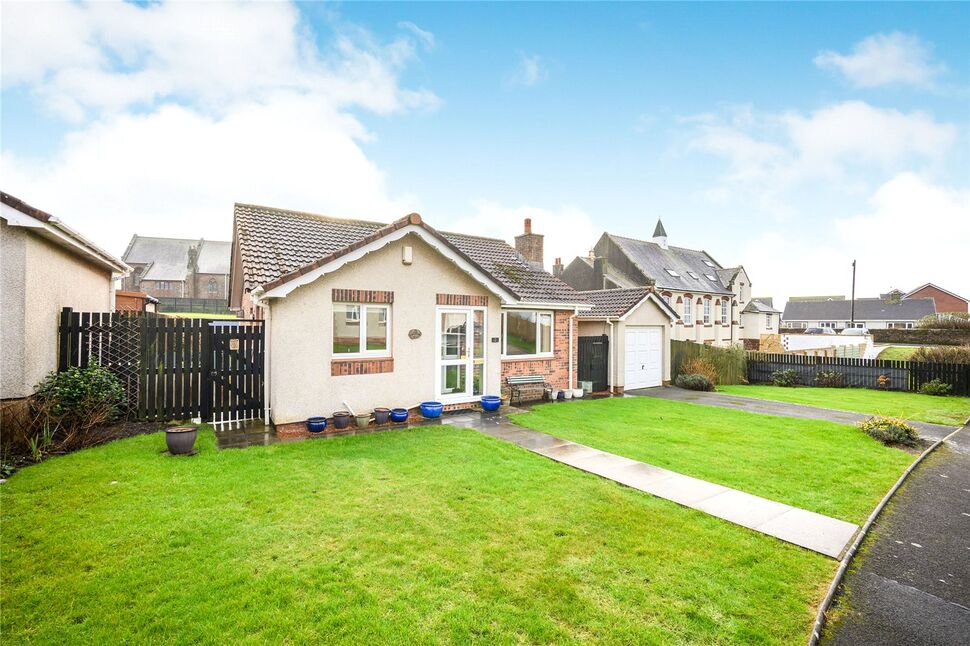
(944, 302)
(555, 368)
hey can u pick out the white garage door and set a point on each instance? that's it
(643, 357)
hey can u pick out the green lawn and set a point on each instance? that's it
(827, 468)
(953, 411)
(433, 535)
(897, 352)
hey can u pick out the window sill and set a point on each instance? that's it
(528, 357)
(357, 356)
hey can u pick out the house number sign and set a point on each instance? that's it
(414, 334)
(233, 344)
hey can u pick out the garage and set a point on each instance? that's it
(624, 341)
(643, 357)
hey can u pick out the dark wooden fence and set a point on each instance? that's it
(862, 373)
(172, 368)
(728, 362)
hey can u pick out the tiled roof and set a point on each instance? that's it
(614, 303)
(654, 261)
(275, 243)
(866, 309)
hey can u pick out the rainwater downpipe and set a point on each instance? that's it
(575, 312)
(609, 356)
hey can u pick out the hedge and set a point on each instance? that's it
(919, 336)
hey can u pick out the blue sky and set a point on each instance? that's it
(781, 137)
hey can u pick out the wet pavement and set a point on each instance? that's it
(828, 536)
(782, 409)
(911, 581)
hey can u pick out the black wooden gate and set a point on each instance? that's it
(594, 352)
(172, 368)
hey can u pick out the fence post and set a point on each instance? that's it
(205, 390)
(64, 339)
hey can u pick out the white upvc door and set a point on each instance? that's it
(460, 353)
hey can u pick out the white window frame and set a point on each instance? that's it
(552, 335)
(767, 320)
(672, 272)
(827, 324)
(724, 312)
(362, 331)
(707, 311)
(688, 311)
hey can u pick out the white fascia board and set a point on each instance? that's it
(525, 305)
(666, 309)
(486, 281)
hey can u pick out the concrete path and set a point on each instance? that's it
(782, 409)
(807, 529)
(911, 583)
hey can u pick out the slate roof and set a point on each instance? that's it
(274, 243)
(653, 261)
(866, 309)
(168, 258)
(759, 307)
(612, 273)
(614, 303)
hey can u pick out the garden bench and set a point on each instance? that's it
(522, 382)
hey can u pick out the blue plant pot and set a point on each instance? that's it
(491, 403)
(431, 410)
(399, 414)
(316, 424)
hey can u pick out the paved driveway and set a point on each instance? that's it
(783, 409)
(911, 582)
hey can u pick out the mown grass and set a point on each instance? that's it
(433, 535)
(952, 411)
(824, 467)
(897, 352)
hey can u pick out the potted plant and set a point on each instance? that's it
(363, 420)
(180, 439)
(381, 415)
(341, 420)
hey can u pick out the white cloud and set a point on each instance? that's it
(569, 231)
(185, 108)
(842, 145)
(425, 37)
(884, 59)
(530, 71)
(111, 56)
(912, 231)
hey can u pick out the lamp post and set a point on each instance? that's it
(852, 306)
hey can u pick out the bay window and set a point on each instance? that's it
(362, 330)
(526, 333)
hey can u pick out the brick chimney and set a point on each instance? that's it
(558, 268)
(529, 245)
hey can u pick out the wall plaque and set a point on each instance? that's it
(414, 334)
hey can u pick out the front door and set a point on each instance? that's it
(460, 371)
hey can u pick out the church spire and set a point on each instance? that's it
(660, 234)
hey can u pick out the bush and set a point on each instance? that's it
(890, 430)
(829, 379)
(948, 321)
(936, 388)
(78, 400)
(700, 366)
(785, 378)
(943, 354)
(694, 382)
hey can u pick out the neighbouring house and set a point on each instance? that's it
(363, 314)
(177, 267)
(134, 301)
(44, 266)
(713, 303)
(872, 313)
(945, 301)
(637, 325)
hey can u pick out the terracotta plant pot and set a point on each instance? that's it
(341, 420)
(180, 439)
(381, 415)
(363, 421)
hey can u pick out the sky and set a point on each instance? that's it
(789, 138)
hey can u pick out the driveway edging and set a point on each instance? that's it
(847, 559)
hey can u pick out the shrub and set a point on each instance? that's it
(948, 321)
(829, 379)
(700, 366)
(785, 378)
(78, 400)
(890, 430)
(694, 382)
(943, 354)
(883, 382)
(936, 387)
